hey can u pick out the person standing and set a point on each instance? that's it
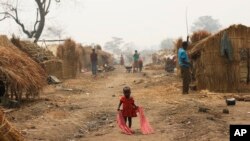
(129, 108)
(136, 61)
(184, 64)
(94, 61)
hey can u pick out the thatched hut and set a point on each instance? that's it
(18, 71)
(49, 62)
(220, 70)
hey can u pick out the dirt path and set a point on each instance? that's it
(84, 109)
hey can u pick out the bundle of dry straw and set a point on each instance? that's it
(21, 72)
(103, 57)
(199, 35)
(53, 67)
(69, 54)
(8, 132)
(33, 50)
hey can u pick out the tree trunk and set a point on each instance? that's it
(41, 24)
(40, 29)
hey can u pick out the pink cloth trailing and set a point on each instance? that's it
(121, 123)
(145, 126)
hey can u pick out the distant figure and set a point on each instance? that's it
(184, 64)
(140, 63)
(170, 64)
(129, 108)
(93, 58)
(136, 61)
(122, 61)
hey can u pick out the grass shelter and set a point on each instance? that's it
(18, 72)
(221, 62)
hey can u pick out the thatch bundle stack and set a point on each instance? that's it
(69, 54)
(53, 67)
(81, 52)
(214, 71)
(8, 132)
(20, 72)
(46, 58)
(103, 57)
(87, 61)
(33, 50)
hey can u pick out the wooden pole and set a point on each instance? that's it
(51, 40)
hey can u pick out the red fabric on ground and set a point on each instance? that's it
(121, 123)
(145, 126)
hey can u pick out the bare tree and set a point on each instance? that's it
(114, 46)
(207, 23)
(11, 11)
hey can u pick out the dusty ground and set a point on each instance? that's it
(84, 109)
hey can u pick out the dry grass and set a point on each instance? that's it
(36, 52)
(199, 35)
(8, 132)
(70, 55)
(53, 67)
(20, 72)
(103, 57)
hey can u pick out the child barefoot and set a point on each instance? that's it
(129, 107)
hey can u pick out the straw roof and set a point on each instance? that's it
(19, 69)
(200, 44)
(199, 35)
(36, 52)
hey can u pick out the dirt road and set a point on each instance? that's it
(84, 109)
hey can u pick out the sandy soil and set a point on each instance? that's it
(84, 109)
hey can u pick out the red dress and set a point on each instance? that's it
(128, 109)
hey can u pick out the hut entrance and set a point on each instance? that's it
(245, 65)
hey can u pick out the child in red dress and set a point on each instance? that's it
(129, 107)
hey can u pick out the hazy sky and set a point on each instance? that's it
(144, 22)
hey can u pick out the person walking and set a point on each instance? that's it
(129, 107)
(94, 61)
(184, 64)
